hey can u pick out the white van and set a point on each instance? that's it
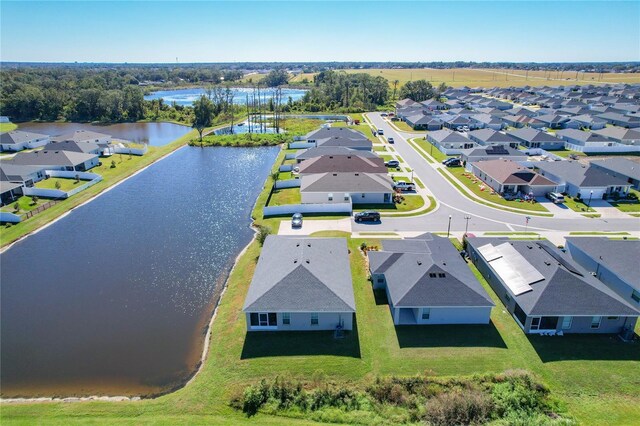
(556, 197)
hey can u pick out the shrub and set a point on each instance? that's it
(255, 397)
(459, 407)
(113, 164)
(263, 233)
(57, 185)
(34, 200)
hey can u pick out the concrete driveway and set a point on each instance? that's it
(309, 226)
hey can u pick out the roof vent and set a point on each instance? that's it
(295, 260)
(308, 244)
(419, 262)
(307, 261)
(335, 174)
(357, 174)
(297, 244)
(546, 262)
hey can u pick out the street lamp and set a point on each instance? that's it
(589, 204)
(526, 223)
(449, 227)
(466, 227)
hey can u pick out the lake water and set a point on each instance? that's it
(115, 297)
(186, 97)
(155, 134)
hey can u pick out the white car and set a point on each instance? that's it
(404, 186)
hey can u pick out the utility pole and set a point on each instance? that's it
(526, 223)
(466, 228)
(449, 227)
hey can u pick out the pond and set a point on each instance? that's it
(186, 97)
(114, 298)
(154, 134)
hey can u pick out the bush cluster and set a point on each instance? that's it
(513, 397)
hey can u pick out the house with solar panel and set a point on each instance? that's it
(427, 282)
(301, 284)
(547, 292)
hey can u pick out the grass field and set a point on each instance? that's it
(411, 202)
(458, 77)
(7, 127)
(25, 204)
(65, 184)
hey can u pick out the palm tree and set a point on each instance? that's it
(395, 87)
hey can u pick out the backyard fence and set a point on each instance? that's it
(307, 208)
(301, 145)
(288, 183)
(285, 168)
(9, 217)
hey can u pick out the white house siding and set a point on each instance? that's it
(454, 315)
(301, 321)
(582, 324)
(342, 197)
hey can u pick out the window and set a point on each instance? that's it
(612, 318)
(441, 275)
(363, 195)
(595, 322)
(635, 295)
(263, 319)
(566, 322)
(286, 318)
(330, 196)
(432, 274)
(426, 312)
(535, 323)
(314, 319)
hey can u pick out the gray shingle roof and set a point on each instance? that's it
(343, 163)
(347, 182)
(302, 275)
(561, 292)
(80, 136)
(51, 158)
(619, 133)
(619, 256)
(528, 134)
(579, 135)
(17, 172)
(70, 145)
(492, 136)
(408, 264)
(621, 166)
(447, 136)
(333, 150)
(18, 136)
(579, 174)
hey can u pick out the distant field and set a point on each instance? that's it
(458, 77)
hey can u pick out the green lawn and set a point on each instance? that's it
(565, 153)
(280, 197)
(411, 202)
(628, 205)
(7, 127)
(405, 127)
(431, 150)
(460, 173)
(25, 203)
(65, 184)
(576, 205)
(379, 148)
(125, 166)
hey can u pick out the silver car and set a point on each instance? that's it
(296, 220)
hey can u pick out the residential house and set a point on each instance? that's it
(17, 140)
(427, 282)
(546, 291)
(532, 138)
(580, 180)
(621, 135)
(423, 122)
(57, 160)
(449, 142)
(589, 121)
(487, 121)
(403, 103)
(508, 177)
(491, 137)
(622, 120)
(23, 175)
(433, 105)
(486, 153)
(342, 164)
(339, 137)
(9, 191)
(309, 153)
(553, 121)
(519, 121)
(75, 146)
(301, 284)
(621, 168)
(85, 140)
(357, 188)
(578, 140)
(614, 262)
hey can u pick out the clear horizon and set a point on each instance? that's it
(150, 32)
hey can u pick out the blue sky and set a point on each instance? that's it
(161, 31)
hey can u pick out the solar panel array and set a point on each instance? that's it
(512, 268)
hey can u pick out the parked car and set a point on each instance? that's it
(380, 132)
(367, 216)
(556, 197)
(459, 129)
(465, 128)
(384, 114)
(452, 162)
(392, 163)
(296, 220)
(404, 186)
(390, 140)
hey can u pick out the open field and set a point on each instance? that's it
(458, 77)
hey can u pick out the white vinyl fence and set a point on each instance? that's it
(307, 208)
(9, 217)
(301, 145)
(288, 183)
